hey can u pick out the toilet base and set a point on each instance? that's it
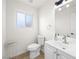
(34, 54)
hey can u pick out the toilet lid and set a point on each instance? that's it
(33, 46)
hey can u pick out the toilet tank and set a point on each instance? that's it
(41, 39)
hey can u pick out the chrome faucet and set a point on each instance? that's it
(65, 40)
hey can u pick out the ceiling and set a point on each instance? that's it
(33, 3)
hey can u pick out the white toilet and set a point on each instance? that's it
(34, 48)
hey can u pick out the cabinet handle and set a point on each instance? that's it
(57, 54)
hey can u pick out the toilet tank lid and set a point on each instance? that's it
(40, 36)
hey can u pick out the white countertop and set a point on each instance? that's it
(70, 48)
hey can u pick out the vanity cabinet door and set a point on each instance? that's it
(50, 52)
(63, 55)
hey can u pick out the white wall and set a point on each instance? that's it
(4, 49)
(66, 20)
(46, 20)
(21, 36)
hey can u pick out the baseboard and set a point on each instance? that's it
(19, 53)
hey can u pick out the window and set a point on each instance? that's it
(23, 20)
(28, 20)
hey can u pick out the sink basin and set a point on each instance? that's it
(61, 45)
(70, 42)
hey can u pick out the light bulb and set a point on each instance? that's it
(60, 9)
(67, 5)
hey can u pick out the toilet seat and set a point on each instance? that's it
(33, 46)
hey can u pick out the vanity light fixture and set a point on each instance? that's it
(58, 2)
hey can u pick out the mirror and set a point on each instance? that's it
(65, 19)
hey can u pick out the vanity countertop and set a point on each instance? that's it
(69, 49)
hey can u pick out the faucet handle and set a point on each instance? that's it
(72, 33)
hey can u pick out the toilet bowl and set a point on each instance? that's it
(34, 48)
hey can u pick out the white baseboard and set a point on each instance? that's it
(19, 53)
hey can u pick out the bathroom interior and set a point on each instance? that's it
(39, 29)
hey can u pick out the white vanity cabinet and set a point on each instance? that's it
(49, 52)
(53, 53)
(63, 55)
